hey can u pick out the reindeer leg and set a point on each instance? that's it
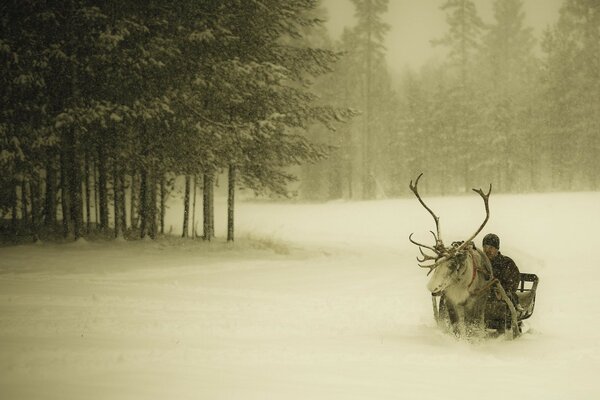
(436, 313)
(450, 318)
(461, 321)
(483, 305)
(473, 318)
(476, 315)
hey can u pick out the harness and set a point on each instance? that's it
(477, 267)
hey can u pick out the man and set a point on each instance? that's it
(504, 268)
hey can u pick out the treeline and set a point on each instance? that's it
(503, 106)
(105, 103)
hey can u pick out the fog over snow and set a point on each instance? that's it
(414, 24)
(313, 301)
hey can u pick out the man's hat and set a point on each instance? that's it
(492, 240)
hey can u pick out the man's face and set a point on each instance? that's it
(490, 251)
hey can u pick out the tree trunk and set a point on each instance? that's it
(368, 166)
(116, 203)
(14, 205)
(163, 202)
(65, 197)
(50, 201)
(88, 201)
(102, 187)
(133, 191)
(143, 205)
(194, 206)
(186, 207)
(26, 222)
(24, 204)
(76, 201)
(152, 207)
(123, 201)
(96, 198)
(23, 201)
(212, 206)
(73, 166)
(230, 202)
(208, 207)
(34, 189)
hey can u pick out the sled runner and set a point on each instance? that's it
(500, 317)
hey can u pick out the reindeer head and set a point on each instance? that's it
(449, 270)
(448, 261)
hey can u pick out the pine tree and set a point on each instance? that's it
(151, 90)
(571, 91)
(507, 75)
(463, 42)
(370, 32)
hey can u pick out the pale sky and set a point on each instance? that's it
(413, 23)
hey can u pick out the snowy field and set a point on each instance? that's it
(313, 301)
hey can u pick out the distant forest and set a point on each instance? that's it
(504, 106)
(106, 103)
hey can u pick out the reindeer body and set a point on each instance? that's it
(462, 282)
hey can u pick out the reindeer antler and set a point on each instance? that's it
(439, 245)
(441, 254)
(486, 199)
(426, 257)
(434, 249)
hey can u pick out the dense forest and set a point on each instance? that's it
(109, 107)
(503, 106)
(105, 103)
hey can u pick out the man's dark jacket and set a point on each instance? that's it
(506, 271)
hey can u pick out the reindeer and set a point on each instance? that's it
(461, 273)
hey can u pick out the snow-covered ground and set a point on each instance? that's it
(313, 301)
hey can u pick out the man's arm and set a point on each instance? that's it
(512, 274)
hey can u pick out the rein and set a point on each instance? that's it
(487, 286)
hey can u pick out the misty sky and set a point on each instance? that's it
(414, 23)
